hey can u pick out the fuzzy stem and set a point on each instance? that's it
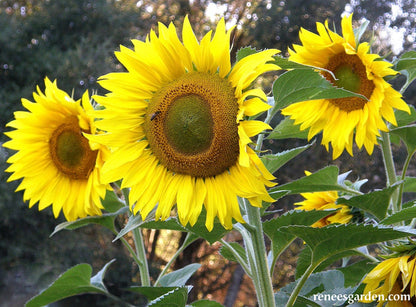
(389, 167)
(257, 256)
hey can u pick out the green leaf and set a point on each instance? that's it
(317, 282)
(245, 51)
(276, 161)
(151, 293)
(325, 179)
(227, 254)
(305, 259)
(170, 223)
(410, 184)
(286, 129)
(106, 220)
(376, 202)
(284, 63)
(179, 277)
(354, 273)
(98, 279)
(325, 242)
(174, 298)
(408, 136)
(403, 118)
(302, 85)
(206, 303)
(406, 64)
(73, 282)
(111, 202)
(280, 240)
(217, 232)
(403, 215)
(134, 222)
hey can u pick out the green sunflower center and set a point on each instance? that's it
(191, 125)
(70, 150)
(350, 74)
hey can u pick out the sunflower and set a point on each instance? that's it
(397, 279)
(177, 126)
(325, 201)
(55, 160)
(355, 69)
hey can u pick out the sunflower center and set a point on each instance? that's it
(191, 125)
(350, 74)
(70, 150)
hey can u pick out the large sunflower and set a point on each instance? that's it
(392, 280)
(177, 125)
(356, 70)
(55, 160)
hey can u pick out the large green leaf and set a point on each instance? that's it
(403, 118)
(305, 259)
(354, 273)
(179, 277)
(376, 202)
(403, 215)
(275, 161)
(77, 280)
(325, 242)
(244, 52)
(151, 293)
(281, 239)
(170, 223)
(217, 232)
(408, 136)
(318, 282)
(111, 202)
(106, 220)
(133, 222)
(325, 179)
(406, 64)
(174, 298)
(410, 184)
(302, 85)
(287, 129)
(284, 63)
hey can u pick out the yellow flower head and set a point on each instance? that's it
(55, 160)
(392, 277)
(355, 69)
(325, 201)
(176, 123)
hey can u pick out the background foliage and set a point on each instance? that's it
(73, 41)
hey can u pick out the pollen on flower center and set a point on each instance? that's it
(191, 125)
(70, 150)
(350, 74)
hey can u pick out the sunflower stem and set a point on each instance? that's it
(389, 167)
(257, 257)
(403, 177)
(141, 254)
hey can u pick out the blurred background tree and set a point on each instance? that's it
(74, 41)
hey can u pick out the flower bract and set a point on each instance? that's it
(177, 125)
(54, 159)
(349, 65)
